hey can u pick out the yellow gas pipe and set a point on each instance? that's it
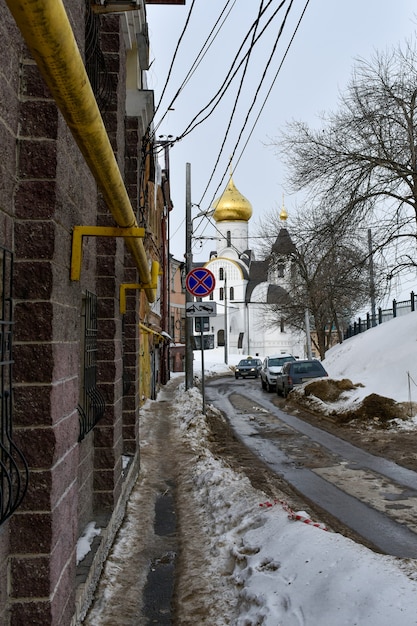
(48, 34)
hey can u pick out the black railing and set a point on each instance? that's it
(14, 473)
(382, 315)
(92, 403)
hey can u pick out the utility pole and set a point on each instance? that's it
(371, 278)
(226, 322)
(189, 355)
(308, 335)
(165, 261)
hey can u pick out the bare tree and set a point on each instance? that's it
(363, 160)
(329, 278)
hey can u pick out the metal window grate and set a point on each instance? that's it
(14, 472)
(92, 404)
(95, 63)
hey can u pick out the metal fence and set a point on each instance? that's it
(382, 315)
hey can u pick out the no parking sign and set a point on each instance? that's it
(200, 282)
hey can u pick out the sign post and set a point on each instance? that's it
(200, 282)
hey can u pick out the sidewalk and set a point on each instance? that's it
(137, 583)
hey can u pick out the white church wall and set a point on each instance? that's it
(267, 340)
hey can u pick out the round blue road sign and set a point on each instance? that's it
(200, 282)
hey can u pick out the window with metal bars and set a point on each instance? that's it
(92, 404)
(14, 472)
(95, 63)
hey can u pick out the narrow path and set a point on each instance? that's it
(137, 584)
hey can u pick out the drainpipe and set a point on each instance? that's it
(47, 32)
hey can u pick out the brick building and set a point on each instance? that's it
(177, 316)
(82, 325)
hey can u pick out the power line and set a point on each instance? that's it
(265, 100)
(252, 104)
(220, 93)
(174, 55)
(236, 101)
(203, 51)
(231, 74)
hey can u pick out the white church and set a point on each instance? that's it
(244, 287)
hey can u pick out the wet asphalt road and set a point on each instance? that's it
(373, 496)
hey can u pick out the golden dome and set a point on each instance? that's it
(232, 206)
(283, 214)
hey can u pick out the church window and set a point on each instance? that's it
(221, 273)
(282, 325)
(229, 238)
(232, 293)
(280, 269)
(221, 295)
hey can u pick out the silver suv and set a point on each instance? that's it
(271, 367)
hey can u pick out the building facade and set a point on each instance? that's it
(177, 316)
(83, 252)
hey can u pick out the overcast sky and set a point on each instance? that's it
(316, 69)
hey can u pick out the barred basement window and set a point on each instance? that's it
(14, 472)
(92, 404)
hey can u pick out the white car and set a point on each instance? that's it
(271, 367)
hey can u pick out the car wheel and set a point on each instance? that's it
(236, 376)
(263, 383)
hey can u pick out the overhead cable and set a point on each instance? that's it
(200, 56)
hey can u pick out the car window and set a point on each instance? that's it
(308, 368)
(278, 361)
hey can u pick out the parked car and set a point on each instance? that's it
(271, 367)
(248, 367)
(297, 373)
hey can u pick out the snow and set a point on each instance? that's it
(383, 359)
(85, 541)
(262, 562)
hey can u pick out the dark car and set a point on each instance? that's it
(298, 372)
(248, 367)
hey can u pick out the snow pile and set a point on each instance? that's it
(284, 571)
(382, 359)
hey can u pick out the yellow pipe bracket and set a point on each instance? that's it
(96, 231)
(152, 285)
(123, 288)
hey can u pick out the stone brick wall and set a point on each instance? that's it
(45, 190)
(110, 273)
(54, 191)
(131, 318)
